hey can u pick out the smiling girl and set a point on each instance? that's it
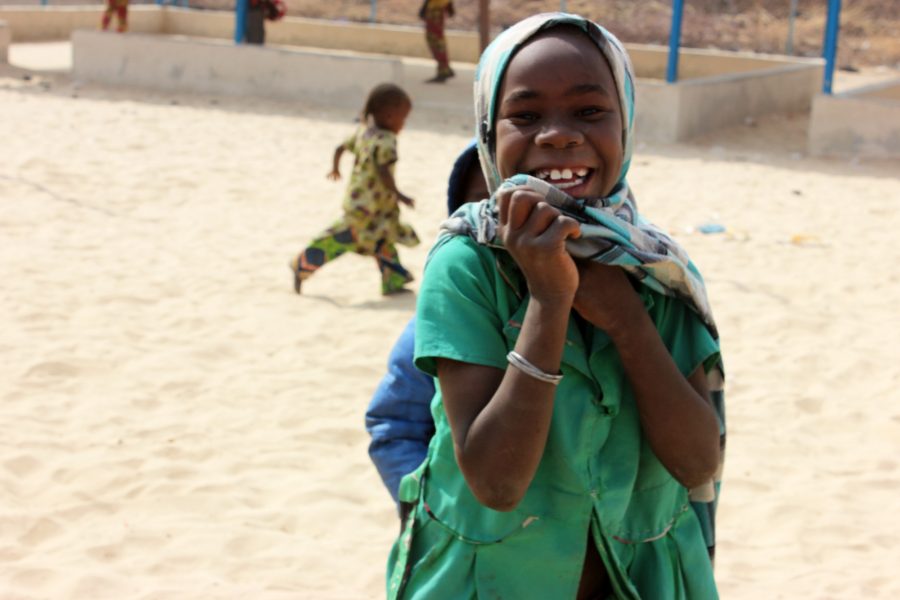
(572, 342)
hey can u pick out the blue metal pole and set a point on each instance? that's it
(374, 11)
(832, 26)
(43, 2)
(240, 21)
(674, 41)
(792, 16)
(562, 5)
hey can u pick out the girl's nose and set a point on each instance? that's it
(559, 134)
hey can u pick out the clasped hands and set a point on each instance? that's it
(534, 233)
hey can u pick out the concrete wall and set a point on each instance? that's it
(889, 91)
(4, 42)
(32, 23)
(38, 24)
(716, 89)
(396, 40)
(219, 67)
(55, 22)
(650, 62)
(864, 122)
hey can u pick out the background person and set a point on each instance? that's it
(371, 223)
(433, 12)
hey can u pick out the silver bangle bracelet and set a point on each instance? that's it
(521, 363)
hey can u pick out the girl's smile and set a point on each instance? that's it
(559, 117)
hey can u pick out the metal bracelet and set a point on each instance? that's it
(521, 363)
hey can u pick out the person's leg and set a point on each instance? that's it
(122, 11)
(108, 14)
(327, 247)
(256, 28)
(437, 43)
(393, 275)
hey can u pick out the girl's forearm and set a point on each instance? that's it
(677, 419)
(505, 442)
(336, 160)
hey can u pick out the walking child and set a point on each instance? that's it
(371, 223)
(578, 411)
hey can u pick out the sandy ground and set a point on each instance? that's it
(177, 424)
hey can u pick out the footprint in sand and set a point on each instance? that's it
(40, 532)
(22, 466)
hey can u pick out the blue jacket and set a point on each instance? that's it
(399, 415)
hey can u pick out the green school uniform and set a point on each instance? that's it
(598, 475)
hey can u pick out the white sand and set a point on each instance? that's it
(177, 424)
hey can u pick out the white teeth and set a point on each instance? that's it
(570, 184)
(558, 174)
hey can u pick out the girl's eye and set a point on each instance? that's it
(590, 111)
(523, 117)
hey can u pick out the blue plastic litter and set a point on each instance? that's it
(711, 228)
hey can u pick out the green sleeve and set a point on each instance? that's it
(456, 314)
(684, 334)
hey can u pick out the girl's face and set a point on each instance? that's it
(558, 116)
(393, 118)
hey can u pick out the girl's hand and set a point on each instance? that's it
(535, 234)
(406, 200)
(605, 297)
(334, 175)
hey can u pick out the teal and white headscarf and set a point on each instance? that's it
(612, 230)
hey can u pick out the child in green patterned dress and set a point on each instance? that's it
(371, 223)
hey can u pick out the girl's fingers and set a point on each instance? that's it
(524, 206)
(515, 203)
(542, 217)
(565, 227)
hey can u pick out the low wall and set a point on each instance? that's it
(863, 122)
(690, 107)
(56, 23)
(650, 62)
(716, 89)
(4, 42)
(41, 24)
(395, 40)
(47, 23)
(214, 66)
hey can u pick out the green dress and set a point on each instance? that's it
(598, 474)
